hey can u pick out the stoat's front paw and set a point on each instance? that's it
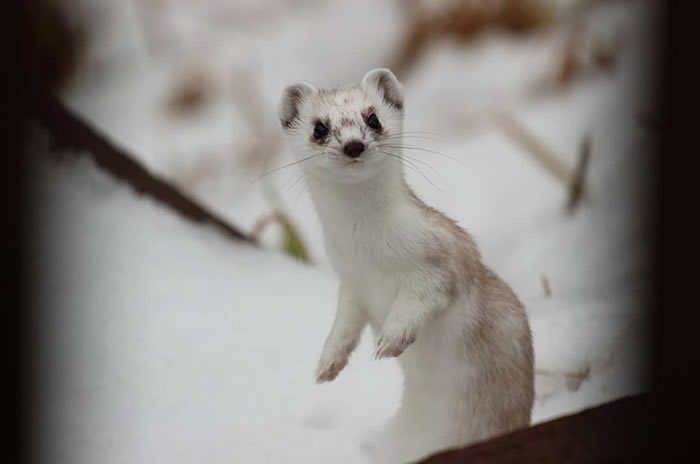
(330, 365)
(393, 341)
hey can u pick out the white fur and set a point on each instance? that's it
(378, 236)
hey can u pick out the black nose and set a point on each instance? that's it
(354, 149)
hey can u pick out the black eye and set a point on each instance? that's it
(373, 122)
(320, 131)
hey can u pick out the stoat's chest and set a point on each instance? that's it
(362, 243)
(372, 255)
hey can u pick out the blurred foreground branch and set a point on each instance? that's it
(71, 132)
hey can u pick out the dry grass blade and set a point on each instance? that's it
(539, 152)
(292, 244)
(545, 286)
(576, 190)
(570, 375)
(573, 379)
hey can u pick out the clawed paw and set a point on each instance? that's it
(391, 346)
(332, 362)
(328, 370)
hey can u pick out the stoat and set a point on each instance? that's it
(458, 331)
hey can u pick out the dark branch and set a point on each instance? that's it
(70, 131)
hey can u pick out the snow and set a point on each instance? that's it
(164, 341)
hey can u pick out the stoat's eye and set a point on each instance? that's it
(320, 131)
(373, 122)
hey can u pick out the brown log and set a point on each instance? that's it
(613, 432)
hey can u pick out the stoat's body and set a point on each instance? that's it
(458, 331)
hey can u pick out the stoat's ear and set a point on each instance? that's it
(388, 85)
(292, 97)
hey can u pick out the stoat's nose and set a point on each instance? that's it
(354, 148)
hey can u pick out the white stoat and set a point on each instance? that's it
(459, 332)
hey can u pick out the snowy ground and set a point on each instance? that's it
(165, 342)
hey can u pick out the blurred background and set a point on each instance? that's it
(533, 123)
(191, 88)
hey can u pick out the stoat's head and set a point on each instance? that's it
(345, 134)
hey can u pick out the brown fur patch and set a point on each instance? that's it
(502, 335)
(438, 257)
(468, 259)
(452, 252)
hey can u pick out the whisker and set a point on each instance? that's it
(296, 182)
(286, 182)
(415, 168)
(397, 137)
(304, 188)
(405, 156)
(289, 190)
(280, 168)
(405, 147)
(420, 132)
